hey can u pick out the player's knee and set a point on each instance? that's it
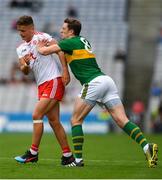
(37, 115)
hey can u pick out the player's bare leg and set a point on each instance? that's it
(150, 149)
(54, 121)
(53, 117)
(81, 109)
(40, 109)
(119, 116)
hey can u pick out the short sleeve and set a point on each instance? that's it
(46, 36)
(65, 46)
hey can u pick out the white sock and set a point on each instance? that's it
(145, 148)
(68, 154)
(78, 160)
(33, 152)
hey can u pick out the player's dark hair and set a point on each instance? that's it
(25, 21)
(74, 24)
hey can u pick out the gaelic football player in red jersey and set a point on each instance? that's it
(51, 84)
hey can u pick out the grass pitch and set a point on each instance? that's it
(105, 156)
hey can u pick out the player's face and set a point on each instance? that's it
(26, 32)
(65, 31)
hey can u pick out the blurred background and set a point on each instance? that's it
(126, 36)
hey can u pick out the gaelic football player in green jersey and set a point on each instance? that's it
(96, 87)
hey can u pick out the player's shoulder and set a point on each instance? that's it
(67, 41)
(38, 33)
(82, 38)
(20, 45)
(41, 34)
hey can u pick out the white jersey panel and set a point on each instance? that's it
(44, 67)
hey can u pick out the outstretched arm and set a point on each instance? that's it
(46, 50)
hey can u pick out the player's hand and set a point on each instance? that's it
(27, 58)
(42, 43)
(65, 77)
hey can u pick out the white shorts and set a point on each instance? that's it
(101, 89)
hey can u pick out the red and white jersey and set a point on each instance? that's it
(44, 67)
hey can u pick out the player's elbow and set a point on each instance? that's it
(25, 71)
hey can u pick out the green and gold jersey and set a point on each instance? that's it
(80, 58)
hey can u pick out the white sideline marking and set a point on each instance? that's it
(87, 160)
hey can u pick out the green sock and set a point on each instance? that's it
(135, 133)
(78, 139)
